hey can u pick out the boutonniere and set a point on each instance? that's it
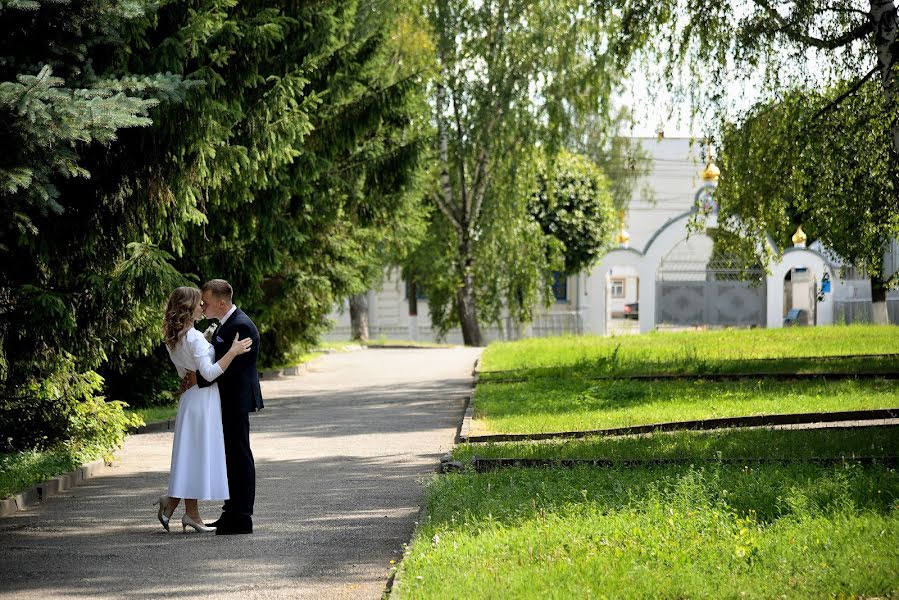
(209, 332)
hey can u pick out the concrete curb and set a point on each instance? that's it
(39, 493)
(465, 428)
(154, 427)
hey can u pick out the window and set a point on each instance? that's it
(560, 287)
(618, 288)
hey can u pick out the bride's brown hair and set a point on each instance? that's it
(179, 314)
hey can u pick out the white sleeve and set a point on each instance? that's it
(199, 347)
(181, 370)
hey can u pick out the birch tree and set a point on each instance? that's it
(510, 73)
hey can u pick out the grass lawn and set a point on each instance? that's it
(154, 413)
(770, 531)
(735, 443)
(571, 404)
(722, 351)
(21, 470)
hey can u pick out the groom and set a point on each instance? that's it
(241, 395)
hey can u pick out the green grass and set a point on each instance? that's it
(21, 470)
(726, 351)
(293, 361)
(795, 531)
(733, 443)
(154, 413)
(570, 404)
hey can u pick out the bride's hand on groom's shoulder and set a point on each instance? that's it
(240, 346)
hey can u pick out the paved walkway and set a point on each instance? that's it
(341, 454)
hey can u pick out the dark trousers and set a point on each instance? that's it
(240, 465)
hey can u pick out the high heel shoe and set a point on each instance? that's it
(188, 522)
(163, 503)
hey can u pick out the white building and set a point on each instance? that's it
(676, 287)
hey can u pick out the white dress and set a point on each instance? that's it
(198, 451)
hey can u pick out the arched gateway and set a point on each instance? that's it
(729, 301)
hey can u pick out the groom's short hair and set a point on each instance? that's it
(218, 288)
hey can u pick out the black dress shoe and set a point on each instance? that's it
(236, 526)
(222, 520)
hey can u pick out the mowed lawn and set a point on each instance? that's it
(572, 404)
(876, 442)
(788, 350)
(770, 531)
(702, 528)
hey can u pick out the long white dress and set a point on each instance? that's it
(198, 451)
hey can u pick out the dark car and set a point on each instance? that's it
(632, 310)
(796, 316)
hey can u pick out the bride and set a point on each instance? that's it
(198, 452)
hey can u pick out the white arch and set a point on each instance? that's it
(792, 258)
(646, 264)
(596, 289)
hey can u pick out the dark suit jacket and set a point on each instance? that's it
(239, 384)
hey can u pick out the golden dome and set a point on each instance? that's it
(623, 237)
(799, 237)
(712, 172)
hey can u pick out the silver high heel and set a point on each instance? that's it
(188, 522)
(163, 503)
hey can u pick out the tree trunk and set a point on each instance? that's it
(879, 314)
(465, 297)
(886, 22)
(359, 317)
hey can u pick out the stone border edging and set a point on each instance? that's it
(37, 494)
(464, 431)
(153, 427)
(485, 465)
(704, 424)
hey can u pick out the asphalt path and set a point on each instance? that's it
(342, 453)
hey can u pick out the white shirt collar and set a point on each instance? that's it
(227, 314)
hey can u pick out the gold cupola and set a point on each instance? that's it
(711, 172)
(799, 238)
(622, 237)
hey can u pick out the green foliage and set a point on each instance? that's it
(156, 143)
(801, 161)
(302, 150)
(573, 204)
(511, 75)
(21, 470)
(65, 406)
